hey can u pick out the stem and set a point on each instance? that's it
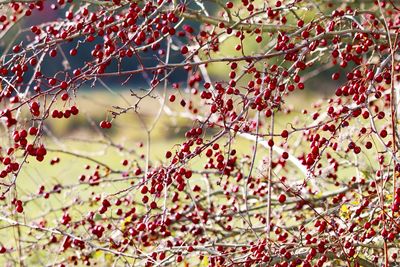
(270, 185)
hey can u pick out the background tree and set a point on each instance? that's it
(249, 178)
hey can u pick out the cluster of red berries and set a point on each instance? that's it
(18, 205)
(66, 113)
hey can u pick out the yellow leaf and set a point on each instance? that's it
(125, 222)
(344, 212)
(318, 195)
(204, 262)
(98, 254)
(344, 208)
(356, 200)
(109, 258)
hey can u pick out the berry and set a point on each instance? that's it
(282, 198)
(184, 50)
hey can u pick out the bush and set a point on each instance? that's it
(204, 148)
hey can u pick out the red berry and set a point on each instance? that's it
(53, 53)
(184, 50)
(282, 198)
(33, 130)
(19, 209)
(54, 114)
(179, 258)
(74, 110)
(103, 124)
(63, 85)
(77, 72)
(73, 52)
(335, 76)
(52, 81)
(153, 205)
(16, 48)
